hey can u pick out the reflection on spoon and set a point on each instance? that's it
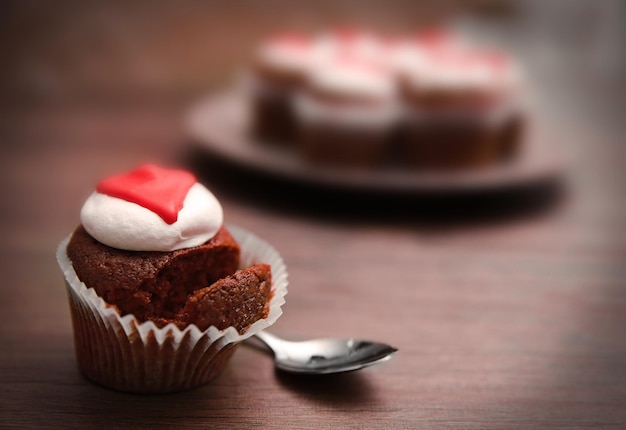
(324, 356)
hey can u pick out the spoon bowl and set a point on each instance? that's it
(324, 356)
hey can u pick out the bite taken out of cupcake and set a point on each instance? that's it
(159, 291)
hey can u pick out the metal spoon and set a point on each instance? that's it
(323, 356)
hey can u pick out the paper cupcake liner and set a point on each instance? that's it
(123, 353)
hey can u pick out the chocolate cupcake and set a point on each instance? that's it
(347, 114)
(280, 68)
(161, 292)
(461, 109)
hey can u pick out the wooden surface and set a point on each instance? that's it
(508, 310)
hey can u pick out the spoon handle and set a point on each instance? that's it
(264, 341)
(271, 341)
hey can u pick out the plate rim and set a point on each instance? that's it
(284, 164)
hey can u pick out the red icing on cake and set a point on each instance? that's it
(497, 60)
(160, 190)
(494, 60)
(291, 40)
(349, 33)
(434, 37)
(350, 61)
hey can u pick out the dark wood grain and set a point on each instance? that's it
(508, 309)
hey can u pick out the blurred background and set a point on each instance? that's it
(160, 51)
(124, 74)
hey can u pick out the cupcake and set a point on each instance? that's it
(347, 113)
(279, 70)
(160, 290)
(461, 109)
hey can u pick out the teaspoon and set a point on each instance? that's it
(324, 356)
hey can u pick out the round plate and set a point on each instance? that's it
(220, 125)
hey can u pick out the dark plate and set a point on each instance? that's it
(219, 125)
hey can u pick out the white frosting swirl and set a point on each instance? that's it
(353, 80)
(477, 74)
(282, 57)
(443, 76)
(294, 56)
(363, 45)
(376, 115)
(125, 225)
(406, 57)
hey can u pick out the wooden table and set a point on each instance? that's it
(508, 311)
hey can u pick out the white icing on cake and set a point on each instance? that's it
(359, 44)
(291, 54)
(377, 115)
(125, 225)
(461, 71)
(353, 78)
(405, 56)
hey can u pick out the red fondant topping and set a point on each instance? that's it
(494, 60)
(291, 40)
(160, 190)
(348, 33)
(348, 60)
(434, 37)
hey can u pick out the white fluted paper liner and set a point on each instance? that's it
(122, 353)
